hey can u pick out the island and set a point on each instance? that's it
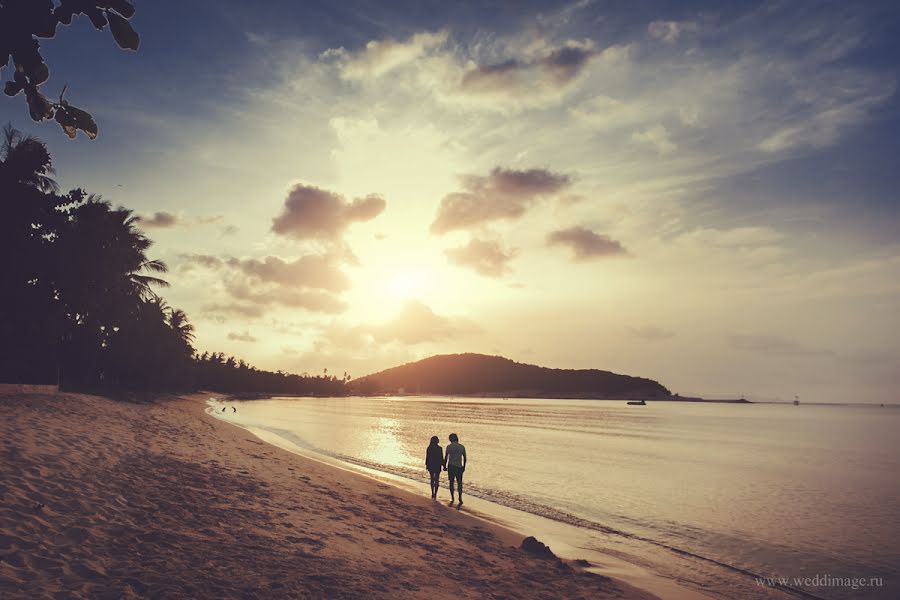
(472, 374)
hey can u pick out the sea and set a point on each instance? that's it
(686, 499)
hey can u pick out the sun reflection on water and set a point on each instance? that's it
(382, 443)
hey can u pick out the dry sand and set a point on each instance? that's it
(111, 499)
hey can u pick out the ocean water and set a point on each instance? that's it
(712, 496)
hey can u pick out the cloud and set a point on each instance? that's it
(313, 213)
(234, 309)
(160, 220)
(750, 245)
(312, 282)
(503, 194)
(241, 337)
(277, 295)
(822, 128)
(670, 31)
(774, 345)
(585, 244)
(417, 323)
(538, 75)
(656, 136)
(206, 261)
(556, 67)
(650, 333)
(499, 75)
(487, 258)
(731, 238)
(318, 271)
(167, 220)
(382, 56)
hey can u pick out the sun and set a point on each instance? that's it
(406, 284)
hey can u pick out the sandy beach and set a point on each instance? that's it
(114, 499)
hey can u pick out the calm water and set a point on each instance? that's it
(708, 494)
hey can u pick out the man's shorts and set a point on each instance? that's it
(455, 472)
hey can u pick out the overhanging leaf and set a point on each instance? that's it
(126, 37)
(97, 17)
(38, 106)
(66, 121)
(71, 119)
(123, 7)
(12, 88)
(40, 74)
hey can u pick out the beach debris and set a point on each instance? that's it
(534, 546)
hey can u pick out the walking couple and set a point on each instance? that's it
(453, 461)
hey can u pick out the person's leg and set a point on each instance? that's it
(451, 472)
(454, 479)
(435, 483)
(459, 477)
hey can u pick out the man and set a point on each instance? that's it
(455, 464)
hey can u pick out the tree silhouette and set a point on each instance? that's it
(178, 321)
(79, 301)
(23, 22)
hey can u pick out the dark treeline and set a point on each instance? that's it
(78, 296)
(217, 373)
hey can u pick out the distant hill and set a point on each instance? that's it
(479, 374)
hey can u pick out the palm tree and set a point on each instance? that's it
(143, 284)
(178, 321)
(25, 160)
(29, 328)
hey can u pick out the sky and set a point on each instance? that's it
(703, 193)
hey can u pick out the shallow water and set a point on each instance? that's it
(711, 495)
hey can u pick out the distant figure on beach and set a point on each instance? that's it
(233, 409)
(223, 408)
(434, 460)
(455, 464)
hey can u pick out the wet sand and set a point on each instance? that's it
(110, 499)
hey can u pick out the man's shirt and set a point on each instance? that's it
(455, 452)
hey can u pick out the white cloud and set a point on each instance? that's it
(656, 136)
(670, 31)
(382, 56)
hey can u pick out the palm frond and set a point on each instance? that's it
(155, 266)
(148, 280)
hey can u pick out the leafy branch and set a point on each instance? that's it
(22, 22)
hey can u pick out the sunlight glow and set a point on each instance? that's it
(407, 284)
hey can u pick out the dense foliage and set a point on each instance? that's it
(23, 22)
(79, 301)
(219, 373)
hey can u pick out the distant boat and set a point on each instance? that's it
(796, 400)
(637, 403)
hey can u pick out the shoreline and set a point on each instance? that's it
(254, 396)
(160, 499)
(515, 522)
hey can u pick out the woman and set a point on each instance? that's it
(434, 460)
